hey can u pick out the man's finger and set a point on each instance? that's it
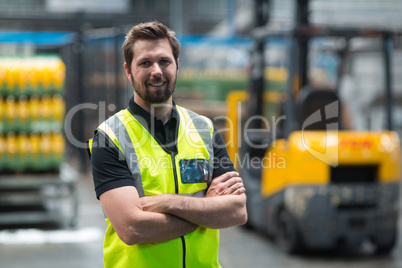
(230, 182)
(226, 176)
(239, 191)
(234, 187)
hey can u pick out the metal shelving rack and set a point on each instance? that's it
(39, 199)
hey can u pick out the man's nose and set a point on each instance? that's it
(156, 70)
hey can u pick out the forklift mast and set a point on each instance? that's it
(298, 61)
(302, 20)
(257, 82)
(299, 76)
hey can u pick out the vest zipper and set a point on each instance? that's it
(176, 183)
(183, 242)
(176, 186)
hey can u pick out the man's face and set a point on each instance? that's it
(153, 72)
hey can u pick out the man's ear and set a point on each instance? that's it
(128, 73)
(177, 63)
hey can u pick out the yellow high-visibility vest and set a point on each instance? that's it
(155, 172)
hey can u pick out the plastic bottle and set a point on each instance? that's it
(35, 76)
(10, 113)
(22, 76)
(58, 148)
(58, 108)
(11, 76)
(2, 76)
(40, 75)
(46, 75)
(23, 113)
(11, 151)
(45, 107)
(33, 107)
(2, 114)
(2, 152)
(23, 150)
(59, 75)
(45, 150)
(34, 145)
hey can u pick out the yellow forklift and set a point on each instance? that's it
(311, 183)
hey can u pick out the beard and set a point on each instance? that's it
(151, 96)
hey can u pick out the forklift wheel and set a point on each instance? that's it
(287, 236)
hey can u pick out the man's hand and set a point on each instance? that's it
(226, 184)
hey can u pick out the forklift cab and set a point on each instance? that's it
(313, 101)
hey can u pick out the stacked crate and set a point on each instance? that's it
(32, 111)
(36, 187)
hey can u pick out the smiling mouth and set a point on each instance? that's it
(157, 84)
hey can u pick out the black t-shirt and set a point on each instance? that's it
(109, 168)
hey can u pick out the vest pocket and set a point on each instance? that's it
(194, 170)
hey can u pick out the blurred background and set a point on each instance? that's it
(62, 74)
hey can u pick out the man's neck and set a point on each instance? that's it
(162, 111)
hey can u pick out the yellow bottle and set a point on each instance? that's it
(34, 144)
(2, 151)
(33, 107)
(44, 108)
(45, 145)
(35, 76)
(23, 109)
(22, 74)
(11, 145)
(23, 146)
(51, 66)
(45, 151)
(58, 108)
(2, 115)
(2, 74)
(10, 111)
(2, 111)
(59, 75)
(58, 148)
(46, 74)
(11, 75)
(3, 156)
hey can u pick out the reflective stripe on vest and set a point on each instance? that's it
(155, 172)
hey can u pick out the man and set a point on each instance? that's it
(161, 172)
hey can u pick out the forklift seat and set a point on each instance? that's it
(313, 100)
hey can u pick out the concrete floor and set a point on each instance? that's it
(240, 248)
(80, 248)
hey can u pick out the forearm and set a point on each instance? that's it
(152, 227)
(134, 225)
(212, 212)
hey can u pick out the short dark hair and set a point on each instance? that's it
(149, 31)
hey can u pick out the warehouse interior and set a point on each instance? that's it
(62, 74)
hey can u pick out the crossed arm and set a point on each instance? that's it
(160, 218)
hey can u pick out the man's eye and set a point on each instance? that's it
(165, 62)
(144, 63)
